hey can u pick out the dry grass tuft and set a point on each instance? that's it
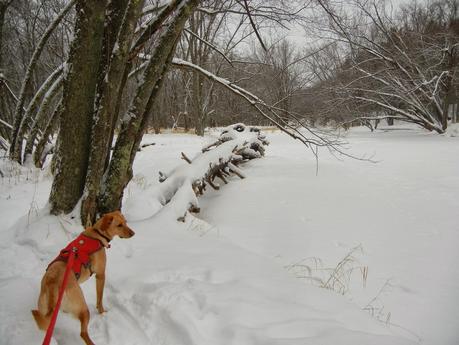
(336, 278)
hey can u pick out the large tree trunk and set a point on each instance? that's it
(104, 121)
(120, 169)
(78, 105)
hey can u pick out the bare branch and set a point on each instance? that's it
(254, 26)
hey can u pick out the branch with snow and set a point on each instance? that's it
(267, 111)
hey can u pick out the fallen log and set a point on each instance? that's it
(235, 145)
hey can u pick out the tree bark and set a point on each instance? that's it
(197, 58)
(36, 102)
(152, 28)
(42, 117)
(120, 169)
(197, 104)
(104, 121)
(73, 144)
(3, 8)
(38, 155)
(4, 132)
(115, 13)
(449, 88)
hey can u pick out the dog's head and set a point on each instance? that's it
(114, 224)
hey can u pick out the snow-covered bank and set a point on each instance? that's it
(225, 283)
(403, 211)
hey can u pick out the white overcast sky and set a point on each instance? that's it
(297, 34)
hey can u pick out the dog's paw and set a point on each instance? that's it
(101, 310)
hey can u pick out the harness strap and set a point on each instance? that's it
(85, 246)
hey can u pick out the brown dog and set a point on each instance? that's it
(90, 258)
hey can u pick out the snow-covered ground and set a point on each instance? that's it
(248, 270)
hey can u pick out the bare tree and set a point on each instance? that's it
(4, 4)
(404, 70)
(21, 122)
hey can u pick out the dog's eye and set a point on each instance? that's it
(120, 225)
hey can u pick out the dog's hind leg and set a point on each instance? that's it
(76, 305)
(84, 320)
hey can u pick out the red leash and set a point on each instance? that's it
(68, 268)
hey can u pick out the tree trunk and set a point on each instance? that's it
(456, 111)
(140, 42)
(39, 155)
(73, 143)
(3, 8)
(115, 13)
(39, 97)
(197, 104)
(4, 132)
(449, 89)
(42, 117)
(104, 121)
(196, 80)
(120, 169)
(186, 122)
(19, 123)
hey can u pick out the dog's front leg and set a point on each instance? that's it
(100, 283)
(99, 261)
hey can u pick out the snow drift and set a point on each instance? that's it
(181, 283)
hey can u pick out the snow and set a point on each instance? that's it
(453, 130)
(226, 277)
(401, 210)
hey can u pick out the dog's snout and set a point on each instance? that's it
(130, 232)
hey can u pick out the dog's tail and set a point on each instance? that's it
(46, 304)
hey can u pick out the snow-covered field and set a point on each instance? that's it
(249, 270)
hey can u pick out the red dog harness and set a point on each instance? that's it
(84, 247)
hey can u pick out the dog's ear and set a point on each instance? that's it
(106, 221)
